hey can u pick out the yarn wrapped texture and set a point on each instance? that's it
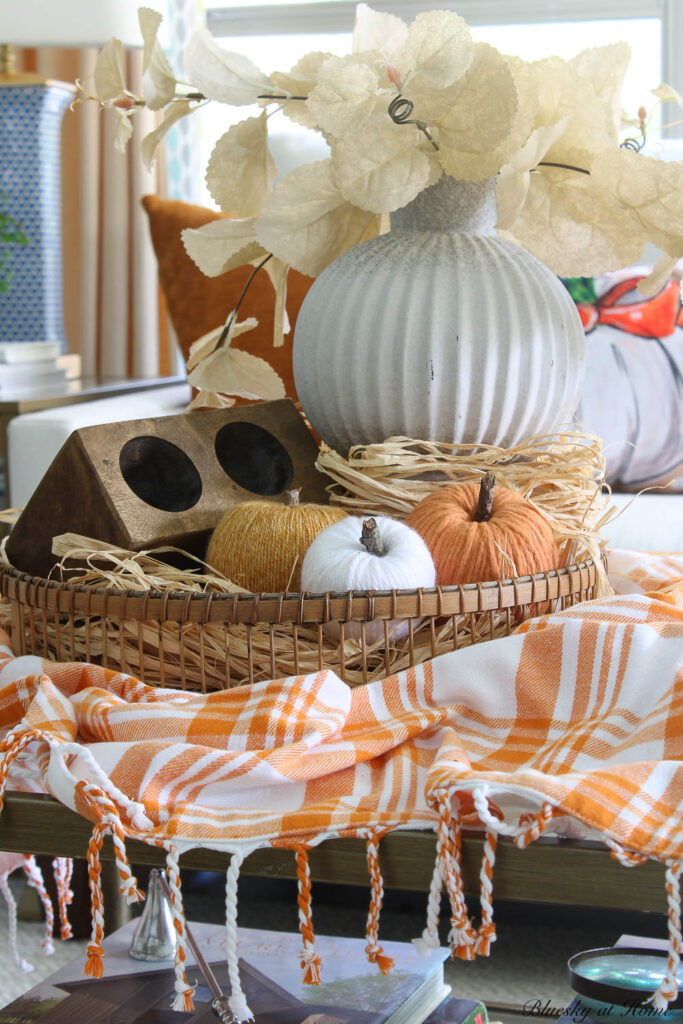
(337, 561)
(516, 541)
(260, 545)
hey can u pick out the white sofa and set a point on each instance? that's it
(646, 522)
(649, 522)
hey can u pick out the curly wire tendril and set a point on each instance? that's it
(635, 145)
(400, 110)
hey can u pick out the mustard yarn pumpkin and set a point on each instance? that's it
(479, 532)
(260, 545)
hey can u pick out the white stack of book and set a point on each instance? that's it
(31, 364)
(351, 990)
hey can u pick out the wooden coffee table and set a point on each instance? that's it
(551, 870)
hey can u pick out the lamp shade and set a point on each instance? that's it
(70, 22)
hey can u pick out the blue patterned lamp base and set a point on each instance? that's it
(30, 191)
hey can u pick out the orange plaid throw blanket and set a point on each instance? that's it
(573, 723)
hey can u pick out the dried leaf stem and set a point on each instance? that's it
(233, 315)
(267, 96)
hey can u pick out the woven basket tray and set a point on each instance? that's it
(211, 641)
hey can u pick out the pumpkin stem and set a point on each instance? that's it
(371, 538)
(292, 497)
(485, 503)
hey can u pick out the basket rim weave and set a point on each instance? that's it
(298, 608)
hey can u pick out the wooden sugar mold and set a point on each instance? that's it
(152, 482)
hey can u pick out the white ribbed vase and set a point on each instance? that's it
(439, 330)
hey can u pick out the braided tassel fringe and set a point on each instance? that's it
(95, 953)
(429, 939)
(23, 965)
(237, 1001)
(462, 936)
(108, 816)
(184, 992)
(374, 951)
(34, 877)
(310, 959)
(668, 989)
(129, 886)
(627, 858)
(10, 747)
(531, 826)
(487, 929)
(63, 869)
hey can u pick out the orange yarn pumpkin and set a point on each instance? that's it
(513, 539)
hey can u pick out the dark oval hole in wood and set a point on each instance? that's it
(160, 474)
(254, 458)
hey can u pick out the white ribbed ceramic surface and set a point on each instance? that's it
(437, 334)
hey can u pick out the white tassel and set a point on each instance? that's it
(23, 965)
(426, 943)
(429, 940)
(34, 877)
(668, 989)
(481, 805)
(237, 1000)
(184, 992)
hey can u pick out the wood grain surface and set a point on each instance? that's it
(558, 871)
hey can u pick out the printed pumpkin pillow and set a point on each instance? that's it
(633, 392)
(197, 304)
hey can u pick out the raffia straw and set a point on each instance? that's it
(561, 474)
(202, 665)
(9, 516)
(215, 656)
(106, 564)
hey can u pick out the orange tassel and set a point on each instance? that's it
(312, 969)
(133, 894)
(461, 939)
(487, 935)
(379, 957)
(183, 1003)
(310, 960)
(93, 967)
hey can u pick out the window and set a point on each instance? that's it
(276, 35)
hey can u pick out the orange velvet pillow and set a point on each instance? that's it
(197, 304)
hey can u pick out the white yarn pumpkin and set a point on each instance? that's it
(338, 561)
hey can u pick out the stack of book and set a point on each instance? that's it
(352, 991)
(30, 364)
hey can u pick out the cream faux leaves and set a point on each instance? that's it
(241, 170)
(224, 374)
(159, 82)
(223, 245)
(408, 104)
(221, 75)
(307, 222)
